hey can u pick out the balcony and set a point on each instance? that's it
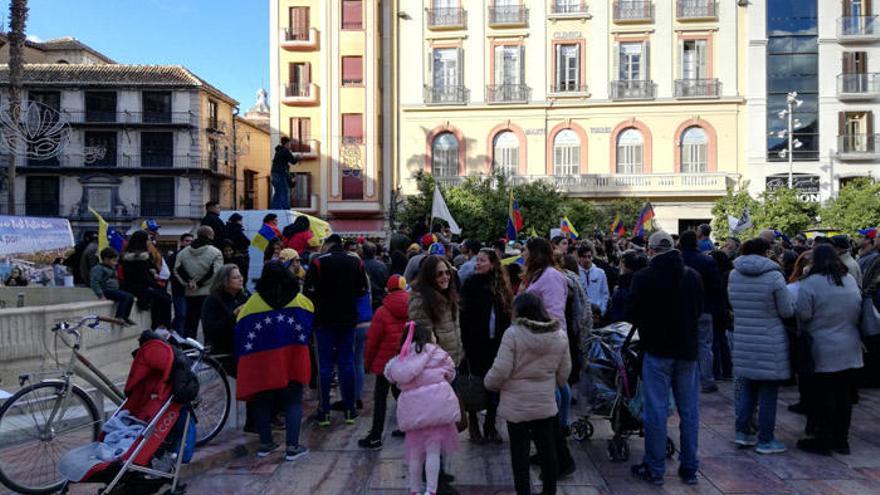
(447, 18)
(157, 119)
(300, 95)
(562, 9)
(855, 87)
(697, 88)
(446, 95)
(632, 11)
(696, 10)
(508, 16)
(569, 89)
(618, 185)
(632, 90)
(308, 149)
(858, 147)
(858, 29)
(508, 93)
(300, 39)
(130, 163)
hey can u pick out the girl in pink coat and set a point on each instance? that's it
(427, 409)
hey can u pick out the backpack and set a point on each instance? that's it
(184, 382)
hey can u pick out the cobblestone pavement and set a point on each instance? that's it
(336, 465)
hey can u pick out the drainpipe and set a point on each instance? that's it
(235, 112)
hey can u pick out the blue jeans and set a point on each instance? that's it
(281, 195)
(658, 375)
(179, 322)
(124, 302)
(360, 339)
(563, 402)
(704, 349)
(336, 347)
(291, 399)
(760, 394)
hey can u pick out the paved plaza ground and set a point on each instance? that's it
(337, 466)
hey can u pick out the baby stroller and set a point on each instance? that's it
(143, 444)
(611, 385)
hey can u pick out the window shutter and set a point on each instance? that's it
(848, 59)
(860, 62)
(869, 126)
(499, 65)
(522, 64)
(577, 62)
(306, 75)
(702, 66)
(681, 59)
(646, 62)
(560, 70)
(841, 123)
(615, 63)
(459, 66)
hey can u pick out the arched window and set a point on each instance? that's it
(444, 155)
(566, 153)
(694, 150)
(630, 152)
(505, 151)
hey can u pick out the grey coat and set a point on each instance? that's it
(830, 314)
(760, 301)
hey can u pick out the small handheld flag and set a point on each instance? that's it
(644, 221)
(568, 228)
(107, 235)
(514, 218)
(263, 237)
(617, 226)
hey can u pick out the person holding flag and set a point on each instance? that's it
(267, 233)
(514, 219)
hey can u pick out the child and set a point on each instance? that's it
(532, 362)
(103, 281)
(427, 409)
(383, 340)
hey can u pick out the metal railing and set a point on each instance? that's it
(632, 90)
(448, 95)
(858, 144)
(132, 161)
(633, 10)
(447, 17)
(858, 26)
(508, 93)
(301, 90)
(709, 183)
(125, 117)
(563, 7)
(508, 14)
(695, 9)
(569, 87)
(858, 84)
(304, 147)
(296, 34)
(697, 88)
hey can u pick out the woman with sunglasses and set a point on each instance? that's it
(434, 303)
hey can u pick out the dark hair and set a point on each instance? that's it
(757, 246)
(369, 250)
(398, 263)
(557, 239)
(800, 264)
(270, 249)
(108, 253)
(227, 243)
(705, 229)
(436, 300)
(90, 235)
(300, 224)
(284, 140)
(269, 217)
(137, 242)
(540, 258)
(570, 263)
(499, 282)
(277, 285)
(472, 245)
(185, 235)
(827, 262)
(530, 307)
(499, 245)
(722, 259)
(688, 240)
(211, 204)
(634, 260)
(585, 247)
(421, 336)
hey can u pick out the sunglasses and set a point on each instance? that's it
(442, 273)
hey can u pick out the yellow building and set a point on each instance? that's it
(325, 68)
(606, 99)
(252, 187)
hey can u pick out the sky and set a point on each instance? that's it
(225, 42)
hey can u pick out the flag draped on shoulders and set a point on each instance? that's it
(272, 345)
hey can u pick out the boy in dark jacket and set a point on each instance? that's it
(105, 285)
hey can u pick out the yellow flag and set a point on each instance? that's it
(320, 228)
(103, 241)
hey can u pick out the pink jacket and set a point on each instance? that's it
(426, 397)
(552, 288)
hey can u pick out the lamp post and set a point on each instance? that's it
(792, 102)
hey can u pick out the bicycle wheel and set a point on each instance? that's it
(213, 402)
(30, 448)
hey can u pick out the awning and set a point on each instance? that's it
(358, 227)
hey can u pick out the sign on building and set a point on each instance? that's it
(806, 185)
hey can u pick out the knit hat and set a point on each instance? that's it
(288, 254)
(395, 282)
(428, 239)
(414, 247)
(660, 241)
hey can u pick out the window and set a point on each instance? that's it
(51, 99)
(250, 190)
(693, 60)
(300, 77)
(300, 131)
(567, 68)
(352, 71)
(509, 64)
(301, 193)
(213, 115)
(157, 196)
(447, 67)
(352, 14)
(631, 58)
(157, 149)
(630, 152)
(566, 153)
(298, 23)
(352, 184)
(444, 155)
(213, 155)
(42, 197)
(694, 151)
(214, 191)
(100, 106)
(157, 106)
(505, 153)
(567, 6)
(352, 128)
(856, 130)
(100, 149)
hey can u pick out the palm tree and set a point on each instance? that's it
(18, 11)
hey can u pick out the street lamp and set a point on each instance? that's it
(792, 102)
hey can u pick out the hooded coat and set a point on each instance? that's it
(760, 300)
(446, 332)
(532, 362)
(426, 397)
(386, 329)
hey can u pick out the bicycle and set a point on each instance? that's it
(43, 420)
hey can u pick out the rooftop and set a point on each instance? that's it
(63, 43)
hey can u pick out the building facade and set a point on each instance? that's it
(605, 99)
(825, 50)
(325, 65)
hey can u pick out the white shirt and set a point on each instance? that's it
(596, 285)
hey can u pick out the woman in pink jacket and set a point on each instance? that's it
(427, 409)
(543, 279)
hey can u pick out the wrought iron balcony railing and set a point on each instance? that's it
(508, 15)
(633, 90)
(446, 95)
(697, 88)
(633, 11)
(447, 17)
(508, 93)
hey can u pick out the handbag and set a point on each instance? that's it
(470, 390)
(869, 322)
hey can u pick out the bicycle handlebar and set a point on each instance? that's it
(91, 321)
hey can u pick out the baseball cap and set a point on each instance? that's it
(660, 241)
(395, 282)
(437, 249)
(151, 225)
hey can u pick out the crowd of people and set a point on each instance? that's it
(452, 329)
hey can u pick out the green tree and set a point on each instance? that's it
(733, 204)
(415, 212)
(856, 206)
(783, 210)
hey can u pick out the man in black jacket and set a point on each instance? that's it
(281, 174)
(240, 242)
(212, 219)
(666, 300)
(334, 282)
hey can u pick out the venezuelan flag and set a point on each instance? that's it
(107, 235)
(320, 228)
(263, 237)
(514, 218)
(513, 259)
(272, 345)
(644, 220)
(568, 228)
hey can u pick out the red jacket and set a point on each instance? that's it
(383, 337)
(300, 241)
(149, 385)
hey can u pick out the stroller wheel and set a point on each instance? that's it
(618, 450)
(670, 448)
(582, 429)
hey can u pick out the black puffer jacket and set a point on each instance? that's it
(334, 282)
